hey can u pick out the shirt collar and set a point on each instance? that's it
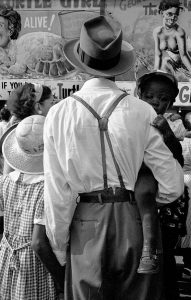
(27, 178)
(99, 83)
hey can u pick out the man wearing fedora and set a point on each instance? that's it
(95, 143)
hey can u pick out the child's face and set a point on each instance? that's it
(158, 95)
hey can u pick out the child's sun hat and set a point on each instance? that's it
(23, 147)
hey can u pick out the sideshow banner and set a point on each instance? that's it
(7, 86)
(159, 31)
(33, 34)
(62, 89)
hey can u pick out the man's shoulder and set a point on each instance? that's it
(138, 103)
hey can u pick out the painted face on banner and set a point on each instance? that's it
(171, 16)
(4, 32)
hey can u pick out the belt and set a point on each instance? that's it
(107, 196)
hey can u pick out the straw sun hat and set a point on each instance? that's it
(100, 51)
(23, 147)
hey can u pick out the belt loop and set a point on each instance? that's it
(100, 199)
(131, 198)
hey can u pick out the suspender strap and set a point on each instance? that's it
(103, 125)
(87, 106)
(114, 160)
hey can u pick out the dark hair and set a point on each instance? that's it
(162, 79)
(22, 100)
(5, 114)
(166, 4)
(14, 20)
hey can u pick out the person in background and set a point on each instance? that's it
(26, 100)
(186, 241)
(22, 275)
(100, 242)
(159, 89)
(4, 116)
(10, 28)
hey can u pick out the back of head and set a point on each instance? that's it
(22, 100)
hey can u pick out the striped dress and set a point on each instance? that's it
(22, 275)
(186, 147)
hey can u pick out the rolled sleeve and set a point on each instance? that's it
(57, 198)
(166, 170)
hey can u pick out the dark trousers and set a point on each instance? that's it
(104, 252)
(169, 240)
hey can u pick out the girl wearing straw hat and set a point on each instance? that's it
(22, 274)
(26, 100)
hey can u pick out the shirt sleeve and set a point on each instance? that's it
(57, 198)
(178, 128)
(166, 170)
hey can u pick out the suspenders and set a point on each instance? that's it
(103, 126)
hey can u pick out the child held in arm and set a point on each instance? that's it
(159, 90)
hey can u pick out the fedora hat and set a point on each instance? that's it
(23, 147)
(100, 51)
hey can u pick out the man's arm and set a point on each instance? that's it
(58, 196)
(41, 246)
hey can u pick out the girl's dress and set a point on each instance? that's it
(22, 275)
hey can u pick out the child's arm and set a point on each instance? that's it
(41, 246)
(169, 138)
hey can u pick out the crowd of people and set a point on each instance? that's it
(95, 189)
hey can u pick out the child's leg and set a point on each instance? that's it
(145, 192)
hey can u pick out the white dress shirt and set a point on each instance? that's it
(72, 154)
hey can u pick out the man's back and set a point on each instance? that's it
(130, 131)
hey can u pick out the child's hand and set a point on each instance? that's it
(161, 124)
(174, 117)
(188, 134)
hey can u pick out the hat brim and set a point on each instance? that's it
(5, 135)
(19, 160)
(126, 62)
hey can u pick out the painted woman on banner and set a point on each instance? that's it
(171, 49)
